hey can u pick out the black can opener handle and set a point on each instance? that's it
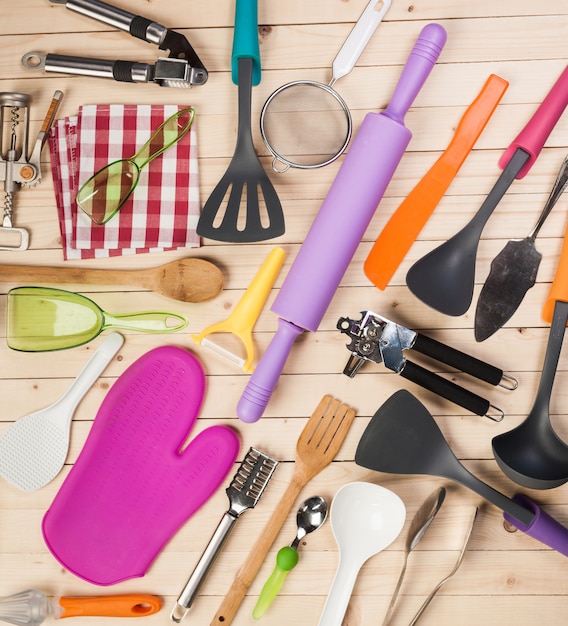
(452, 392)
(463, 362)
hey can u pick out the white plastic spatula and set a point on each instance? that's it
(34, 448)
(365, 518)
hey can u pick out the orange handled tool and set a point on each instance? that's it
(407, 221)
(127, 605)
(559, 287)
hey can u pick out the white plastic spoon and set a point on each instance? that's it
(365, 518)
(34, 448)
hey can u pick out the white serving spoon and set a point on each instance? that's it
(34, 448)
(365, 518)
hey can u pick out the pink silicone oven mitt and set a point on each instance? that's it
(132, 488)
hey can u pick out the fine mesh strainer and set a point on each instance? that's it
(307, 124)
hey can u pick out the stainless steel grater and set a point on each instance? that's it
(244, 492)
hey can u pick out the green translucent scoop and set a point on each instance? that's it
(40, 319)
(102, 195)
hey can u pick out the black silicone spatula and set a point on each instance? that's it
(513, 271)
(403, 438)
(444, 278)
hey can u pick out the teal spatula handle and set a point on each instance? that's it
(245, 39)
(286, 559)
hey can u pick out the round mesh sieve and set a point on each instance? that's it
(305, 124)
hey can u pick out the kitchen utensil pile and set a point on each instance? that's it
(126, 181)
(351, 202)
(407, 221)
(444, 278)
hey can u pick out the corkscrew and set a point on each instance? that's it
(17, 165)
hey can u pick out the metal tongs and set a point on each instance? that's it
(182, 68)
(375, 338)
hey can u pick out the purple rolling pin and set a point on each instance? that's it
(341, 222)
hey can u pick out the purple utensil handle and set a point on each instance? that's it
(261, 384)
(341, 222)
(424, 55)
(543, 527)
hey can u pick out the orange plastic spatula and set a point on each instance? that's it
(408, 220)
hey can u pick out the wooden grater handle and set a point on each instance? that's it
(246, 575)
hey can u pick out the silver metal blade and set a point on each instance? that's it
(249, 482)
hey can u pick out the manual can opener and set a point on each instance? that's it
(182, 68)
(375, 338)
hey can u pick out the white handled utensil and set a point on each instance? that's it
(34, 448)
(365, 518)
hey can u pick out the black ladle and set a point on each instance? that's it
(532, 454)
(403, 438)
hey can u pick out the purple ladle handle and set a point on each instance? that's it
(261, 384)
(424, 55)
(543, 527)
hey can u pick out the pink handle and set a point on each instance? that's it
(531, 139)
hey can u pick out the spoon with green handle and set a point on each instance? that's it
(311, 515)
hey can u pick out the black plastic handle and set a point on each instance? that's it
(460, 360)
(445, 388)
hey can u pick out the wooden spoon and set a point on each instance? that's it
(317, 446)
(188, 280)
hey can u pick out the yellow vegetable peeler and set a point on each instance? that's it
(243, 318)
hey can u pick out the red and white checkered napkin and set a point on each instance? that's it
(163, 211)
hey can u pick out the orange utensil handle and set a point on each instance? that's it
(407, 221)
(559, 287)
(128, 605)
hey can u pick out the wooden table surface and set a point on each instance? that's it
(506, 577)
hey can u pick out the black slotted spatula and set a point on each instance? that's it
(244, 206)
